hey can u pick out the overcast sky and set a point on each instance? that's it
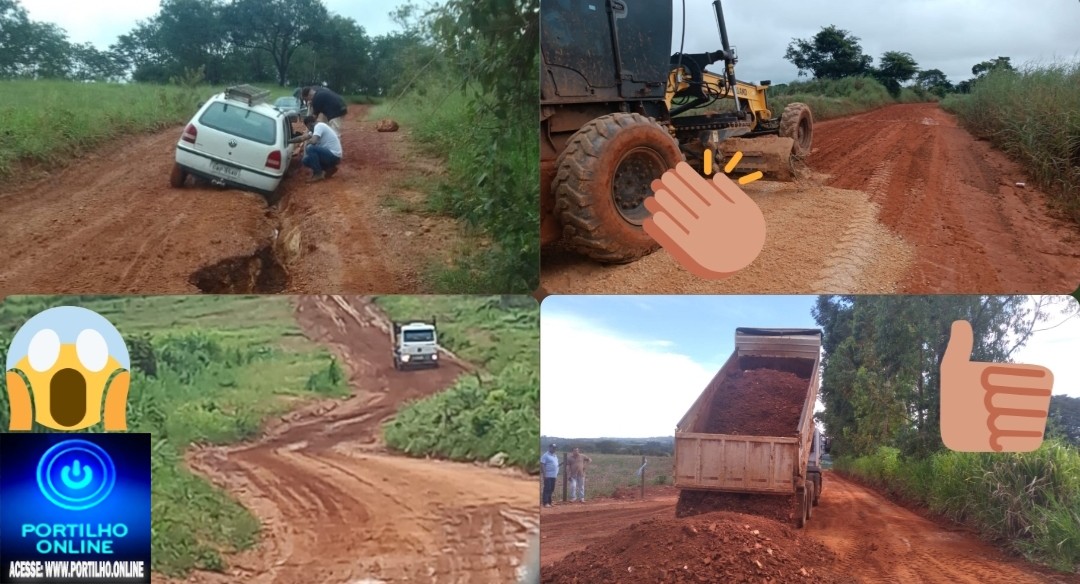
(951, 35)
(101, 22)
(631, 366)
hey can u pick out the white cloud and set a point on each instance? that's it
(97, 22)
(1056, 349)
(595, 382)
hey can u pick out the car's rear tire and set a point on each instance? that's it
(178, 176)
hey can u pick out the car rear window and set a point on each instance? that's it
(241, 122)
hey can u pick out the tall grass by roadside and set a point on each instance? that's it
(836, 98)
(1033, 115)
(1029, 501)
(49, 122)
(497, 202)
(497, 410)
(205, 370)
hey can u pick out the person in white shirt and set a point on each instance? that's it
(322, 153)
(549, 464)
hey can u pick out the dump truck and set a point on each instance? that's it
(783, 463)
(416, 344)
(618, 109)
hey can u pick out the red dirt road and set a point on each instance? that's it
(897, 200)
(337, 509)
(954, 198)
(874, 539)
(110, 223)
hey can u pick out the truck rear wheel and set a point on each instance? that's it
(601, 183)
(810, 498)
(797, 123)
(800, 519)
(817, 489)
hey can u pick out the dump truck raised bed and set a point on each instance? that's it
(762, 442)
(416, 344)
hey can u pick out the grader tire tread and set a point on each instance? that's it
(789, 127)
(591, 224)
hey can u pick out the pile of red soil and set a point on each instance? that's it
(626, 493)
(719, 547)
(782, 508)
(758, 402)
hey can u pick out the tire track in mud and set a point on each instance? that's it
(337, 508)
(110, 223)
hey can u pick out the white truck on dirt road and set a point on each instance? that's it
(416, 344)
(766, 392)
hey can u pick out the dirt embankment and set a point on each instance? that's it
(854, 535)
(897, 200)
(110, 223)
(336, 508)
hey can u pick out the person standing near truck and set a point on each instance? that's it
(549, 466)
(326, 106)
(575, 467)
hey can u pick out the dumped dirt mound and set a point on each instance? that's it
(759, 402)
(719, 547)
(623, 493)
(781, 508)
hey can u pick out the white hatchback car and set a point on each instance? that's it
(236, 139)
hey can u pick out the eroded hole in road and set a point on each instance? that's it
(258, 273)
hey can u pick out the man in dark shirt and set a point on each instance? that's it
(326, 106)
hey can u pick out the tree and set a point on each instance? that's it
(895, 69)
(275, 27)
(882, 358)
(832, 54)
(31, 49)
(934, 81)
(1065, 418)
(1000, 63)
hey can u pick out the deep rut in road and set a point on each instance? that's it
(337, 508)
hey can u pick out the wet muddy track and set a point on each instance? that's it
(110, 223)
(337, 508)
(897, 200)
(874, 539)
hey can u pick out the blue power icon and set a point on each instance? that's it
(76, 475)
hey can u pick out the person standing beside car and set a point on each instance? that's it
(326, 106)
(322, 152)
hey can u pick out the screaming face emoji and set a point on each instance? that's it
(62, 366)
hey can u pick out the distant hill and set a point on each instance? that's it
(655, 446)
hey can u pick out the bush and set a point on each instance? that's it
(835, 98)
(1033, 115)
(1031, 500)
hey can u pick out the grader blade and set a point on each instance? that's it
(769, 154)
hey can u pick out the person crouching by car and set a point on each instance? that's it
(322, 151)
(326, 106)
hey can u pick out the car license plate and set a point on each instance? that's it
(224, 170)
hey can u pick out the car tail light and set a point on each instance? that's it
(190, 133)
(273, 160)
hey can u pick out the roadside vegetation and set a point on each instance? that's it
(473, 104)
(881, 390)
(497, 410)
(836, 98)
(205, 370)
(1033, 115)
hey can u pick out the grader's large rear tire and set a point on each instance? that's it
(797, 123)
(601, 183)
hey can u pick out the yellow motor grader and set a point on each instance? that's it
(617, 110)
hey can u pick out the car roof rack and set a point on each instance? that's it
(248, 94)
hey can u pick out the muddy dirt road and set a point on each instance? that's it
(900, 200)
(110, 223)
(874, 540)
(336, 508)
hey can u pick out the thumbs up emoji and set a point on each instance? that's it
(998, 407)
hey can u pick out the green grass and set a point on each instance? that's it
(608, 472)
(479, 416)
(836, 98)
(1033, 115)
(49, 122)
(497, 202)
(224, 364)
(1029, 501)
